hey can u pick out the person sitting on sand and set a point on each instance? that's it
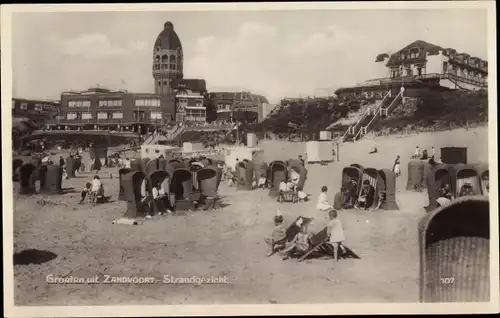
(160, 198)
(85, 192)
(352, 190)
(294, 179)
(466, 189)
(278, 234)
(322, 203)
(416, 154)
(262, 181)
(425, 155)
(336, 233)
(299, 244)
(382, 195)
(445, 192)
(363, 196)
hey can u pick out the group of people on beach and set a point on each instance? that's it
(301, 242)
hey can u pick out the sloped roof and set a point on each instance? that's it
(425, 48)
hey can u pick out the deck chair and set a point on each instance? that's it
(319, 243)
(291, 231)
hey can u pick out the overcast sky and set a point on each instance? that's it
(274, 53)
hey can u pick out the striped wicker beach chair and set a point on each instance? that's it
(454, 252)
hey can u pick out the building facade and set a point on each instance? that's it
(103, 109)
(39, 111)
(422, 65)
(238, 106)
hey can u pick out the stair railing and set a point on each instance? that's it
(347, 132)
(376, 112)
(393, 104)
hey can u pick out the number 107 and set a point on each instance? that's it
(447, 280)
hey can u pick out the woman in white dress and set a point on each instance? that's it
(397, 167)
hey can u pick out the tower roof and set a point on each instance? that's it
(168, 39)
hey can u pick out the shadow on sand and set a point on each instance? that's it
(33, 256)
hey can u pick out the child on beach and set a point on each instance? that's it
(278, 235)
(322, 203)
(300, 242)
(336, 232)
(85, 192)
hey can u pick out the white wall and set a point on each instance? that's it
(435, 63)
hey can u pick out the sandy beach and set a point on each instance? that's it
(229, 242)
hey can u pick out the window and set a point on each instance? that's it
(39, 107)
(164, 58)
(165, 83)
(86, 115)
(24, 106)
(102, 115)
(79, 103)
(110, 103)
(172, 58)
(445, 67)
(220, 106)
(150, 102)
(71, 116)
(172, 66)
(117, 115)
(139, 115)
(156, 115)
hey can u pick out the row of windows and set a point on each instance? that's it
(110, 103)
(164, 67)
(78, 115)
(39, 107)
(164, 58)
(149, 102)
(195, 112)
(412, 54)
(110, 115)
(79, 103)
(223, 107)
(194, 118)
(147, 115)
(184, 103)
(113, 115)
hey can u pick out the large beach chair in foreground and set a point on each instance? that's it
(454, 252)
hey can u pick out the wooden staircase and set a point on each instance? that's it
(355, 131)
